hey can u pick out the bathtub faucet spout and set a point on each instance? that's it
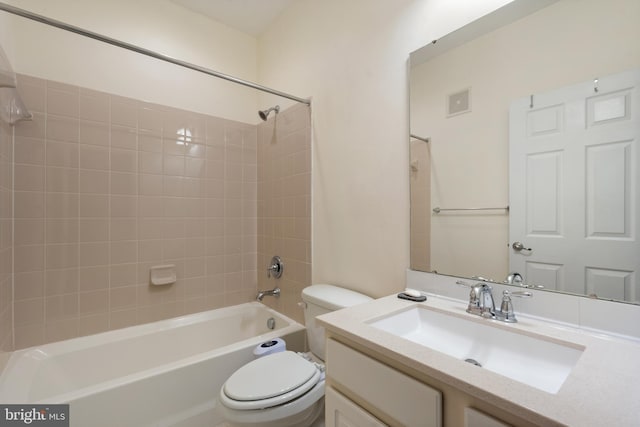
(274, 292)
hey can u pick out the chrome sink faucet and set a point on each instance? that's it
(481, 302)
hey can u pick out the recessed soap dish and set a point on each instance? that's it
(163, 274)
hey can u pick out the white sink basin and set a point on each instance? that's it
(534, 361)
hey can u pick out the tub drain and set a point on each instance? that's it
(473, 362)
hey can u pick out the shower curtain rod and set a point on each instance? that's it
(71, 28)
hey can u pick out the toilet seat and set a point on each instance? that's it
(269, 381)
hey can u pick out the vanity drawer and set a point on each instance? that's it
(405, 400)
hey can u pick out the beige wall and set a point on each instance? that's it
(351, 57)
(160, 25)
(470, 151)
(284, 205)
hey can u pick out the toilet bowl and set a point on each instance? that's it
(286, 389)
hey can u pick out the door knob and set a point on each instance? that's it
(518, 246)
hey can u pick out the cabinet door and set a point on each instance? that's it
(475, 418)
(341, 412)
(405, 400)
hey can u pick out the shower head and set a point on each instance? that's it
(265, 113)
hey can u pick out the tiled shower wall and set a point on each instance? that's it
(284, 205)
(6, 240)
(105, 188)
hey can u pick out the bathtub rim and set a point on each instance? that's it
(10, 375)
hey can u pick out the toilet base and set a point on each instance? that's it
(306, 418)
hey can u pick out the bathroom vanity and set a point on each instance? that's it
(398, 362)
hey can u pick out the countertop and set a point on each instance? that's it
(602, 389)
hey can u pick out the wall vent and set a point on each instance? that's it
(459, 102)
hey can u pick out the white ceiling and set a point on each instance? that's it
(249, 16)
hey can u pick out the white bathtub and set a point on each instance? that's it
(166, 373)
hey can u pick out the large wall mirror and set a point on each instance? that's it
(524, 148)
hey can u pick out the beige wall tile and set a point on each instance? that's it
(151, 206)
(28, 258)
(124, 137)
(61, 128)
(94, 205)
(58, 330)
(93, 302)
(139, 190)
(94, 133)
(94, 106)
(124, 183)
(28, 232)
(61, 307)
(24, 283)
(62, 154)
(93, 324)
(123, 229)
(29, 335)
(29, 177)
(150, 185)
(94, 157)
(93, 278)
(150, 228)
(28, 289)
(123, 206)
(123, 318)
(62, 180)
(123, 275)
(124, 297)
(33, 92)
(150, 117)
(34, 128)
(61, 256)
(149, 142)
(94, 182)
(124, 111)
(93, 229)
(124, 160)
(94, 253)
(62, 230)
(29, 150)
(123, 252)
(62, 281)
(149, 162)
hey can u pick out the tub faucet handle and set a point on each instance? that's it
(275, 268)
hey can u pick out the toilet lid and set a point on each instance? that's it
(270, 376)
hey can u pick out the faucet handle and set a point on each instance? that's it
(506, 313)
(519, 294)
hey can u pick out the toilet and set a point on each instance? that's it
(286, 388)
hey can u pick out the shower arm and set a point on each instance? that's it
(128, 46)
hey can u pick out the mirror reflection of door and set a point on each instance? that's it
(574, 191)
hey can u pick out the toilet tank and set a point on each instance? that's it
(321, 299)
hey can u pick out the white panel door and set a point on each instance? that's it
(574, 191)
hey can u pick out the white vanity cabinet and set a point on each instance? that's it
(363, 390)
(342, 412)
(392, 396)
